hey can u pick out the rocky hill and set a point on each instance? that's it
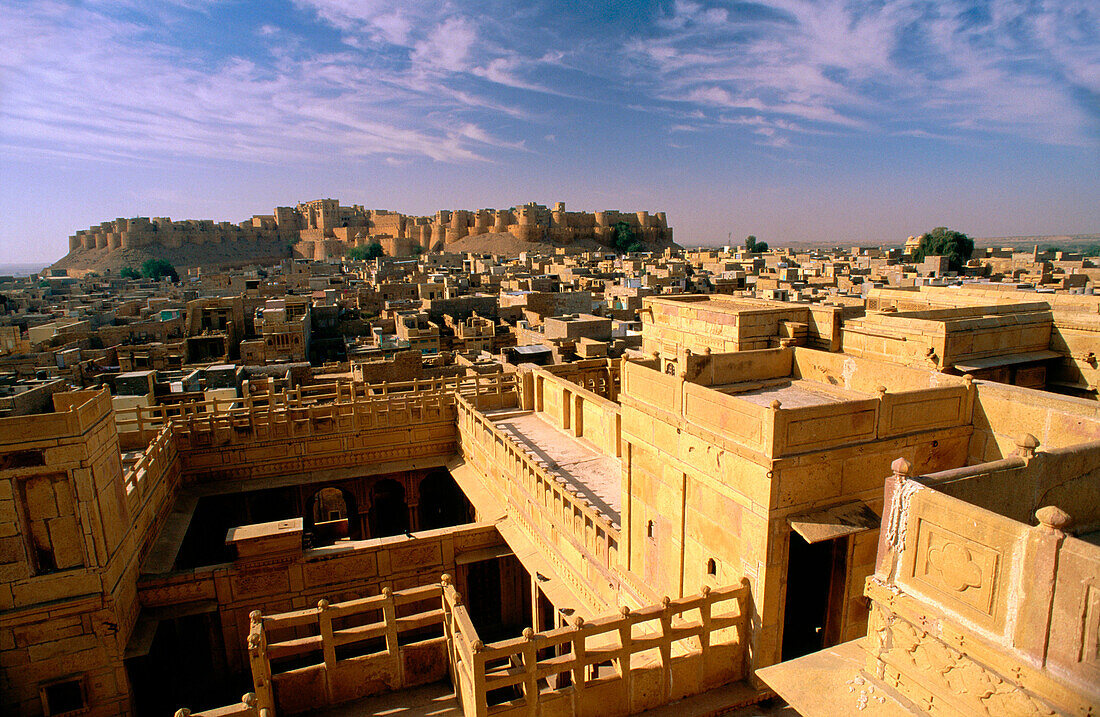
(227, 255)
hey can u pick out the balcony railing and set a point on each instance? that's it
(656, 654)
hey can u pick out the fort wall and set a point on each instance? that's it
(324, 229)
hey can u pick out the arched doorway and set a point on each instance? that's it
(389, 514)
(331, 515)
(442, 502)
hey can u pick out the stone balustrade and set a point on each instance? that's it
(658, 654)
(1013, 605)
(245, 708)
(542, 502)
(386, 642)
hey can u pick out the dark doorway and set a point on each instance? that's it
(442, 502)
(185, 667)
(810, 575)
(498, 597)
(389, 514)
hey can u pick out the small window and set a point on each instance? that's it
(712, 567)
(63, 698)
(650, 529)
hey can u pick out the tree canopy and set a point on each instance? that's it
(363, 253)
(157, 268)
(625, 240)
(753, 246)
(129, 272)
(941, 241)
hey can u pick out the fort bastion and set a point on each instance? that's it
(323, 229)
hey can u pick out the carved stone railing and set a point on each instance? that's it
(1014, 605)
(295, 415)
(542, 502)
(245, 708)
(151, 468)
(294, 659)
(657, 654)
(148, 419)
(599, 376)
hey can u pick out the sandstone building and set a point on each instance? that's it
(291, 546)
(324, 229)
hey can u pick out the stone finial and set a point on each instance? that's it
(248, 699)
(1026, 445)
(322, 604)
(1052, 517)
(387, 593)
(624, 610)
(666, 601)
(578, 622)
(445, 579)
(901, 468)
(528, 634)
(969, 379)
(477, 646)
(183, 712)
(881, 391)
(706, 350)
(776, 404)
(255, 617)
(705, 590)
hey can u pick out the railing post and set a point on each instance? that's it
(625, 641)
(579, 669)
(328, 645)
(448, 632)
(666, 648)
(530, 667)
(389, 614)
(258, 661)
(704, 635)
(477, 675)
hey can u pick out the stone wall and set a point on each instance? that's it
(296, 580)
(1013, 608)
(77, 530)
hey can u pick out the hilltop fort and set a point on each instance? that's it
(324, 229)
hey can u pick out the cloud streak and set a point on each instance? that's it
(466, 83)
(1000, 67)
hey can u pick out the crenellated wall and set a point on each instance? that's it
(324, 229)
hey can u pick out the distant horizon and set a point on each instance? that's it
(798, 122)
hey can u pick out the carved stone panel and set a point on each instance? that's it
(956, 567)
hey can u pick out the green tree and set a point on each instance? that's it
(157, 268)
(363, 253)
(941, 241)
(129, 272)
(625, 240)
(755, 247)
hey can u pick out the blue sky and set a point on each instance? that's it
(845, 122)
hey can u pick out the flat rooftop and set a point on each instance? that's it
(793, 393)
(594, 475)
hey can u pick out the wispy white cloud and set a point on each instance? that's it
(1007, 67)
(125, 80)
(125, 92)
